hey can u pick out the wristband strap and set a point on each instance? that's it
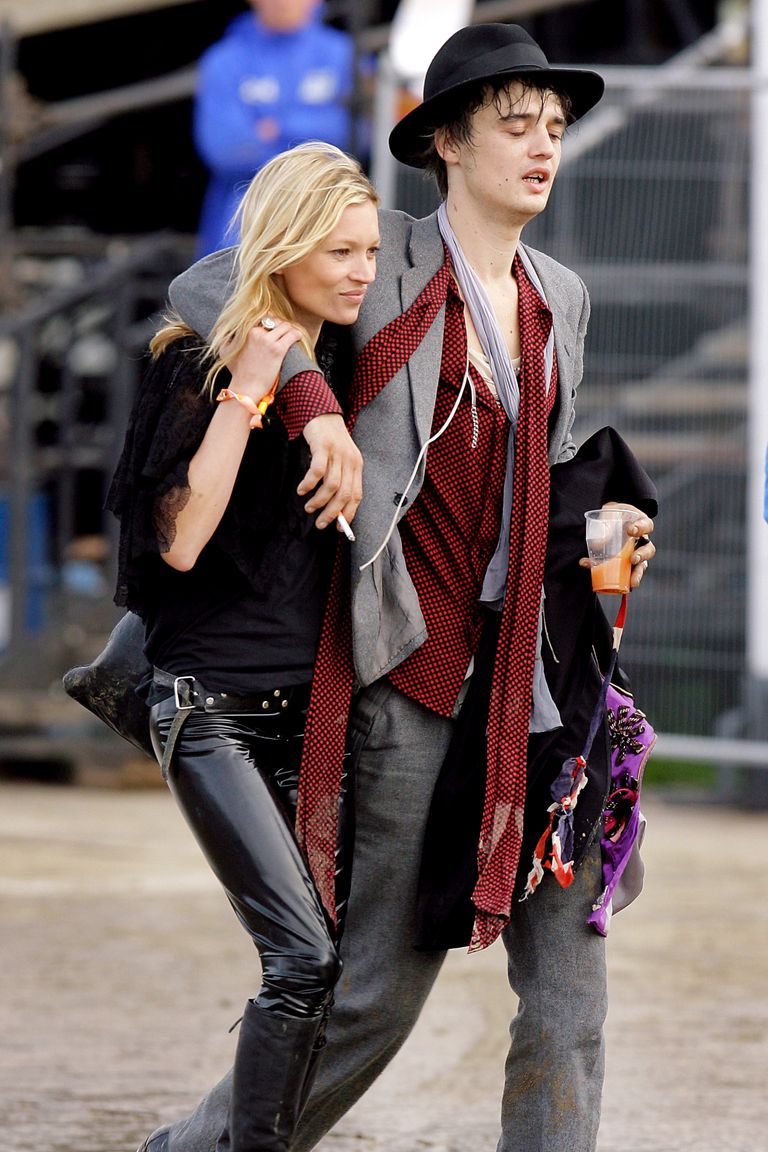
(257, 408)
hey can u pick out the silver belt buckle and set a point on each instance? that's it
(179, 705)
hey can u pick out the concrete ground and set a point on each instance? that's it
(123, 968)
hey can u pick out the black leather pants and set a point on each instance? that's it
(235, 779)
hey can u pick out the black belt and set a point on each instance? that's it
(190, 695)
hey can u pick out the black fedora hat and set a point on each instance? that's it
(485, 52)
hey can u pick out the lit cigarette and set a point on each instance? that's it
(343, 523)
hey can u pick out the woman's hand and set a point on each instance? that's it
(641, 529)
(336, 466)
(258, 362)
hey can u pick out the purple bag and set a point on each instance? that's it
(632, 739)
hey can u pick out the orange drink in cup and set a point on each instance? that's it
(610, 548)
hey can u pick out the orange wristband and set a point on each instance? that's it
(257, 408)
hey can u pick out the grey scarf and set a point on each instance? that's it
(544, 714)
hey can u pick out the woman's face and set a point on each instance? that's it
(331, 283)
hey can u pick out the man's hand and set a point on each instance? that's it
(646, 549)
(337, 466)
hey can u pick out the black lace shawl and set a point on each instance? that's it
(150, 485)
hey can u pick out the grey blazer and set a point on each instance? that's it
(387, 622)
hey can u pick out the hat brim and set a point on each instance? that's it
(409, 139)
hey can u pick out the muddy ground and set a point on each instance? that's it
(123, 968)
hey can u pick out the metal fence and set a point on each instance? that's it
(68, 371)
(655, 218)
(651, 208)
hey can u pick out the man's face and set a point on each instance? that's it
(507, 168)
(283, 15)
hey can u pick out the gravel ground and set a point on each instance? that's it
(112, 929)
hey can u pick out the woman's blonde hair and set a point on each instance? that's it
(292, 204)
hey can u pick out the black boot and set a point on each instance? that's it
(315, 1055)
(273, 1058)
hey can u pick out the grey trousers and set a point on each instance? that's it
(554, 1071)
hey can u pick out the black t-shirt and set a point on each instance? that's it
(247, 616)
(209, 623)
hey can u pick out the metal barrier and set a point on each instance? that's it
(652, 210)
(68, 371)
(654, 217)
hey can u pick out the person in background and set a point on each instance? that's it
(278, 77)
(219, 506)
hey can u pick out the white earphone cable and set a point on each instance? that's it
(419, 459)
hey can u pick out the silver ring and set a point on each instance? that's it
(268, 322)
(645, 565)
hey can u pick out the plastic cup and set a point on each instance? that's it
(610, 549)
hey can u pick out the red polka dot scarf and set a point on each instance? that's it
(511, 691)
(501, 831)
(325, 733)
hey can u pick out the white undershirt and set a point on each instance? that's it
(482, 364)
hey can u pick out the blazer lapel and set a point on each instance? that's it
(426, 255)
(560, 301)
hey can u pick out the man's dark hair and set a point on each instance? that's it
(455, 120)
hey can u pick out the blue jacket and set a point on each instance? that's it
(260, 92)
